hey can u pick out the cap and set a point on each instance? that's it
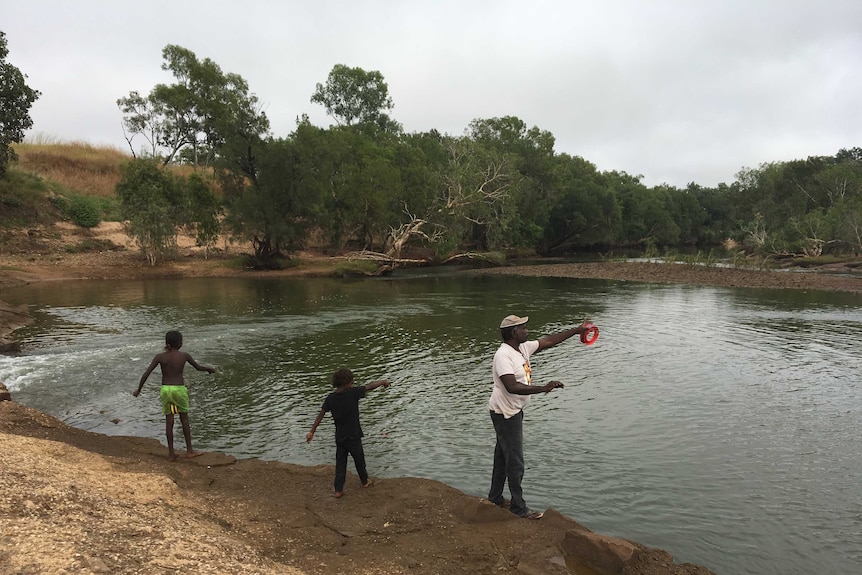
(513, 320)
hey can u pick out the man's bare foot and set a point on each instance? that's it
(369, 483)
(338, 494)
(172, 456)
(191, 454)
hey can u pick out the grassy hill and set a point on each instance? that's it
(60, 181)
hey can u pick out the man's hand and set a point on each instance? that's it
(309, 436)
(552, 385)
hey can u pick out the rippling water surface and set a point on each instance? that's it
(720, 424)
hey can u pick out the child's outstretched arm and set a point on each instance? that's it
(376, 384)
(144, 377)
(310, 435)
(198, 366)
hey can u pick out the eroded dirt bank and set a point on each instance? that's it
(79, 502)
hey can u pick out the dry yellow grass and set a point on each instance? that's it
(78, 167)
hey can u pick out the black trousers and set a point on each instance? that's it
(353, 447)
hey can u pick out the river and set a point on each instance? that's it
(720, 424)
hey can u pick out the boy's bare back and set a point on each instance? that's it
(172, 363)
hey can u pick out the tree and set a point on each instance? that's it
(154, 205)
(273, 202)
(195, 117)
(16, 98)
(532, 151)
(203, 211)
(586, 212)
(354, 96)
(157, 203)
(476, 200)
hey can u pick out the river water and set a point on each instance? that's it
(722, 425)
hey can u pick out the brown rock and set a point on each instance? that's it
(9, 347)
(607, 555)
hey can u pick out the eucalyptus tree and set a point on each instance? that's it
(204, 211)
(842, 182)
(780, 205)
(16, 99)
(685, 210)
(194, 117)
(353, 96)
(356, 180)
(716, 224)
(420, 159)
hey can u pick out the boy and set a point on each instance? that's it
(344, 405)
(174, 393)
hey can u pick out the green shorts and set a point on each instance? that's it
(175, 399)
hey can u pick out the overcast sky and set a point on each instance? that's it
(678, 91)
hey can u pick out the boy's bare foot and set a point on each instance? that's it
(338, 494)
(191, 454)
(172, 457)
(369, 483)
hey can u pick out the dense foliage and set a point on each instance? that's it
(364, 183)
(16, 98)
(156, 204)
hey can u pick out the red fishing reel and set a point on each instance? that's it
(590, 334)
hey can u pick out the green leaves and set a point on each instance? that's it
(16, 99)
(156, 203)
(354, 96)
(202, 117)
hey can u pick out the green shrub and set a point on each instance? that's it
(84, 211)
(274, 262)
(61, 204)
(92, 245)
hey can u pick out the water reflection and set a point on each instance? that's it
(719, 424)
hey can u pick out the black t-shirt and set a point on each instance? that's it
(344, 406)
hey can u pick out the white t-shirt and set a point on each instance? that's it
(507, 360)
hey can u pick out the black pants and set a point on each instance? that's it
(353, 447)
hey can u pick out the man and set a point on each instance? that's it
(513, 386)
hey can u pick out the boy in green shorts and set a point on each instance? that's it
(174, 393)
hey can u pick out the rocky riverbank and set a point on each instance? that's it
(79, 502)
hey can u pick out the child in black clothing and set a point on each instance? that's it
(344, 405)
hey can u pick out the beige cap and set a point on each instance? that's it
(513, 320)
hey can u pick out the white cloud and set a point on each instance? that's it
(677, 91)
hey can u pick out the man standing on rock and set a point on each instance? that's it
(513, 386)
